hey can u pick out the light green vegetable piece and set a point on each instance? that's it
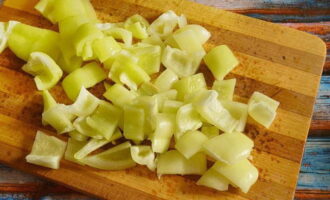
(47, 73)
(210, 131)
(164, 96)
(59, 117)
(33, 39)
(200, 32)
(143, 155)
(127, 72)
(78, 136)
(89, 147)
(187, 119)
(164, 24)
(48, 100)
(73, 147)
(134, 119)
(83, 40)
(188, 41)
(58, 10)
(164, 130)
(239, 111)
(147, 89)
(190, 84)
(120, 34)
(85, 103)
(166, 80)
(225, 89)
(148, 57)
(138, 26)
(181, 62)
(83, 128)
(171, 106)
(190, 143)
(208, 106)
(104, 48)
(153, 40)
(172, 162)
(68, 61)
(212, 179)
(241, 174)
(5, 31)
(87, 76)
(220, 60)
(229, 147)
(47, 151)
(69, 26)
(262, 109)
(115, 158)
(105, 119)
(119, 95)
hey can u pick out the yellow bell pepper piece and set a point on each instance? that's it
(190, 143)
(134, 119)
(164, 130)
(225, 89)
(119, 95)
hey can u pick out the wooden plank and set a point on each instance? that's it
(253, 41)
(312, 195)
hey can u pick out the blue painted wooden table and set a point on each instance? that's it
(312, 16)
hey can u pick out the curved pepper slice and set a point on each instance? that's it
(171, 106)
(229, 147)
(85, 103)
(166, 80)
(119, 95)
(181, 62)
(220, 60)
(134, 118)
(239, 111)
(33, 39)
(143, 155)
(210, 131)
(190, 143)
(5, 31)
(83, 128)
(87, 76)
(164, 130)
(78, 136)
(147, 89)
(47, 151)
(189, 85)
(115, 158)
(164, 24)
(212, 179)
(172, 162)
(73, 147)
(225, 88)
(137, 25)
(104, 48)
(187, 119)
(47, 73)
(120, 34)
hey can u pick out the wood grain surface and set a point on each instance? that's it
(283, 63)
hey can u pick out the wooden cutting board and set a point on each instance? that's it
(283, 63)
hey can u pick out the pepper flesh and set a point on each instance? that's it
(164, 130)
(190, 143)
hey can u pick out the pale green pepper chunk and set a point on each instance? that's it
(106, 47)
(164, 24)
(143, 155)
(166, 80)
(262, 109)
(220, 60)
(181, 62)
(134, 123)
(89, 147)
(5, 31)
(147, 89)
(200, 32)
(115, 158)
(190, 143)
(210, 108)
(164, 96)
(119, 95)
(85, 103)
(239, 111)
(84, 37)
(241, 174)
(212, 179)
(83, 128)
(105, 119)
(73, 147)
(187, 119)
(148, 57)
(120, 34)
(59, 117)
(138, 26)
(87, 76)
(164, 130)
(172, 162)
(190, 84)
(78, 136)
(229, 147)
(153, 40)
(47, 73)
(225, 89)
(150, 106)
(210, 131)
(48, 100)
(68, 61)
(171, 106)
(47, 151)
(188, 41)
(69, 26)
(33, 39)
